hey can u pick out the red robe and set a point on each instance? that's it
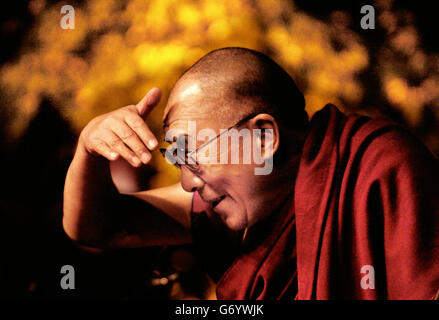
(366, 194)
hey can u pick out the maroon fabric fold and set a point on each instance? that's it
(263, 267)
(365, 195)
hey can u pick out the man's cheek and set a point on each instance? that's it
(219, 173)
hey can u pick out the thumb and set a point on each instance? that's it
(149, 101)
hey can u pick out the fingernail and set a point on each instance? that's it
(145, 157)
(136, 160)
(152, 144)
(113, 155)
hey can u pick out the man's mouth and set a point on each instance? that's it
(215, 202)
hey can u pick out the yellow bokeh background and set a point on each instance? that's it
(120, 49)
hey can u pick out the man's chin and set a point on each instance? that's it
(230, 219)
(230, 214)
(235, 226)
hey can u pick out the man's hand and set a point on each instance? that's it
(123, 132)
(95, 213)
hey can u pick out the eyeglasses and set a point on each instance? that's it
(179, 161)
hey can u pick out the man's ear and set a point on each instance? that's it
(269, 139)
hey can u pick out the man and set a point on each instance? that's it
(349, 209)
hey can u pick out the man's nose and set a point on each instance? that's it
(190, 181)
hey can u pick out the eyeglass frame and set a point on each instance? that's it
(194, 168)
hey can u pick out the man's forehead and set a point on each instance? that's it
(180, 119)
(183, 90)
(185, 103)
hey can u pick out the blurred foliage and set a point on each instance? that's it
(120, 49)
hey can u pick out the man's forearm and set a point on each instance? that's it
(97, 215)
(89, 194)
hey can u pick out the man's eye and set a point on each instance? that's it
(180, 151)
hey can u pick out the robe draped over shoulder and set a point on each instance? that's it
(365, 204)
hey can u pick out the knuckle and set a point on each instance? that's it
(93, 141)
(140, 150)
(93, 136)
(108, 121)
(126, 134)
(100, 146)
(115, 143)
(127, 111)
(137, 122)
(131, 108)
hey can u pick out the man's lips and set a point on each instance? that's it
(213, 203)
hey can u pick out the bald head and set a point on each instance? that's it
(241, 80)
(230, 83)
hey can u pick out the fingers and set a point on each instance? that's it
(103, 149)
(117, 145)
(138, 125)
(123, 132)
(149, 101)
(129, 137)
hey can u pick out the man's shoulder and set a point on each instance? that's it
(381, 141)
(358, 143)
(356, 135)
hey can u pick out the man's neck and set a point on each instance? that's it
(277, 188)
